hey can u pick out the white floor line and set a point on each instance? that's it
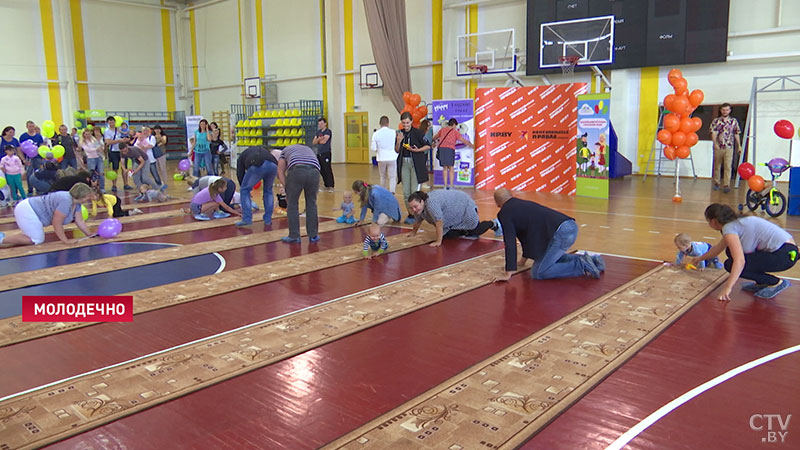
(671, 406)
(260, 322)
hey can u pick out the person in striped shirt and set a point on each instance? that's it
(375, 243)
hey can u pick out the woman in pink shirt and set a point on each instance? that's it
(12, 166)
(206, 203)
(446, 154)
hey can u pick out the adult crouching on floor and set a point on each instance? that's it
(755, 247)
(256, 164)
(57, 208)
(453, 213)
(546, 235)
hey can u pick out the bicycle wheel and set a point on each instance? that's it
(752, 199)
(777, 207)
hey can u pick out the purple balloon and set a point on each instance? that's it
(184, 165)
(109, 228)
(778, 165)
(29, 148)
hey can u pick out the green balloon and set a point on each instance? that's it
(89, 127)
(177, 177)
(84, 212)
(2, 182)
(78, 124)
(111, 175)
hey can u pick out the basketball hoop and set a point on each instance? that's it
(568, 64)
(368, 85)
(476, 70)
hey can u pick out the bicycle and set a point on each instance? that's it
(771, 201)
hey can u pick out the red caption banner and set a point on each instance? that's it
(51, 308)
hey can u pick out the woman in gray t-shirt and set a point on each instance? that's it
(754, 247)
(56, 208)
(453, 213)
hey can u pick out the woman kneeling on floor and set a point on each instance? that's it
(754, 247)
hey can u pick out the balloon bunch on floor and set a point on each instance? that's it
(679, 133)
(418, 111)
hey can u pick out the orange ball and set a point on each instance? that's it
(677, 198)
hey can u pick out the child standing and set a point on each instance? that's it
(208, 201)
(688, 248)
(282, 203)
(375, 243)
(347, 209)
(12, 166)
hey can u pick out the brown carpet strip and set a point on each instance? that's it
(55, 246)
(82, 269)
(13, 330)
(63, 409)
(130, 206)
(504, 400)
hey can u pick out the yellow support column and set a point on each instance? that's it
(51, 59)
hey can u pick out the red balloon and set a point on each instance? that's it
(696, 98)
(417, 114)
(697, 122)
(414, 100)
(406, 97)
(678, 139)
(687, 125)
(415, 123)
(679, 83)
(682, 91)
(258, 185)
(784, 129)
(408, 108)
(756, 183)
(691, 139)
(672, 122)
(746, 170)
(680, 104)
(669, 152)
(423, 110)
(673, 74)
(665, 137)
(683, 152)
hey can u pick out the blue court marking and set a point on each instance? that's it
(117, 282)
(74, 255)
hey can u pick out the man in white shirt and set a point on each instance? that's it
(383, 147)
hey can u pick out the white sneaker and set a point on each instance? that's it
(135, 211)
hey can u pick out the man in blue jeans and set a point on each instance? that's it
(546, 235)
(253, 165)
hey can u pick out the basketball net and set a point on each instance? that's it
(477, 70)
(568, 64)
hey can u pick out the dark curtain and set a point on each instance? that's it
(386, 21)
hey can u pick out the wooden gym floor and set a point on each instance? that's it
(310, 399)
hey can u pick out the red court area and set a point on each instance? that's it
(312, 398)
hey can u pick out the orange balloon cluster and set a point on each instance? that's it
(679, 133)
(417, 111)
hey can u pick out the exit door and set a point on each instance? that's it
(356, 140)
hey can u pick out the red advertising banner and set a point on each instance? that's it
(525, 137)
(77, 309)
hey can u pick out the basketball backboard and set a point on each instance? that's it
(493, 49)
(590, 39)
(252, 87)
(370, 78)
